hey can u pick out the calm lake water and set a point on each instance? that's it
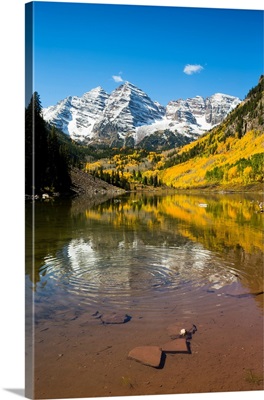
(127, 251)
(160, 259)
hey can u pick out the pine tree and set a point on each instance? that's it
(29, 149)
(35, 146)
(46, 160)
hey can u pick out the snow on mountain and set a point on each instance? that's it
(129, 113)
(76, 116)
(191, 117)
(218, 106)
(127, 108)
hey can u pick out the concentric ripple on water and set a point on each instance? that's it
(135, 273)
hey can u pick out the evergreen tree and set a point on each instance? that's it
(46, 160)
(57, 170)
(29, 148)
(35, 145)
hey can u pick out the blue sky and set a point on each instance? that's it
(169, 52)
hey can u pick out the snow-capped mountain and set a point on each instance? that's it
(127, 108)
(76, 116)
(128, 116)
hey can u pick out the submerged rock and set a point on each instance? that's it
(115, 318)
(97, 314)
(147, 355)
(112, 317)
(175, 346)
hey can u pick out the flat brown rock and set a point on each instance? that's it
(148, 355)
(115, 318)
(175, 346)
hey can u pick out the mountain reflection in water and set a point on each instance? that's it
(127, 250)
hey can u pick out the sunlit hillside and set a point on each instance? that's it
(230, 155)
(234, 162)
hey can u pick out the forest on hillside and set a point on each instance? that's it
(230, 155)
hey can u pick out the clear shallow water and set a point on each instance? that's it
(146, 254)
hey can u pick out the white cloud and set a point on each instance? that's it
(190, 69)
(117, 78)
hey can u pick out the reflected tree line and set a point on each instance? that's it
(229, 225)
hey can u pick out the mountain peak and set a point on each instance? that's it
(129, 84)
(130, 87)
(128, 115)
(97, 89)
(128, 107)
(221, 96)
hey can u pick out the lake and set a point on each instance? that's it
(161, 260)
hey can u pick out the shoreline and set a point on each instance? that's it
(87, 186)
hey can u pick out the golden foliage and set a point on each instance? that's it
(192, 173)
(225, 222)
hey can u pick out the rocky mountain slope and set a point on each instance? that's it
(90, 186)
(129, 117)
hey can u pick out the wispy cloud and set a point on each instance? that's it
(117, 78)
(190, 69)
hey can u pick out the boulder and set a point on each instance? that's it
(147, 355)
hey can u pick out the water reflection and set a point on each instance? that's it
(226, 221)
(136, 247)
(120, 271)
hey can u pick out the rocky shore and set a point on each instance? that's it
(84, 185)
